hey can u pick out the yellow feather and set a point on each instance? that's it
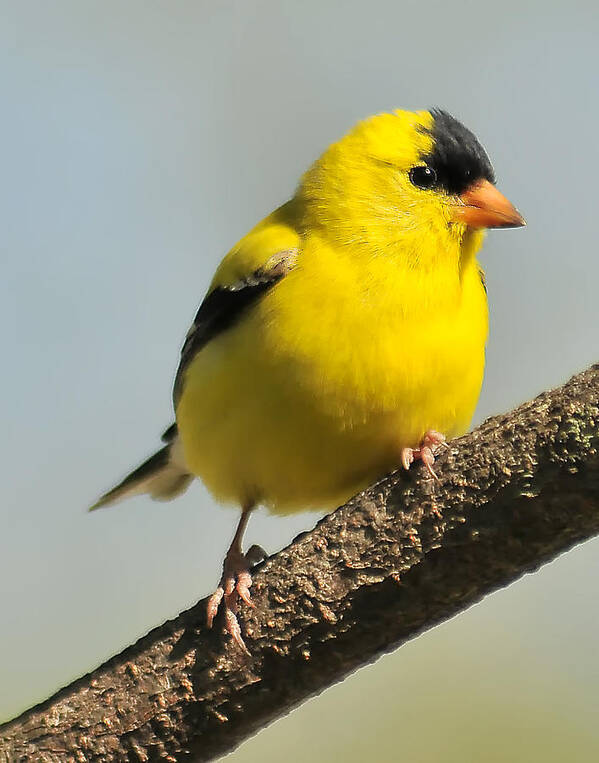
(375, 336)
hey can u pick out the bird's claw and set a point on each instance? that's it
(234, 585)
(213, 605)
(431, 441)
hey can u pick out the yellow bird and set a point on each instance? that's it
(340, 336)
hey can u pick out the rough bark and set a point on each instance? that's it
(397, 559)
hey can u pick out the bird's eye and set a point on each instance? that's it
(423, 177)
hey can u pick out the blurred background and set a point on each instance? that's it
(140, 140)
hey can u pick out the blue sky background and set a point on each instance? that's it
(140, 140)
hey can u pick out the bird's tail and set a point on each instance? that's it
(163, 476)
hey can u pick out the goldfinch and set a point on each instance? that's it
(340, 336)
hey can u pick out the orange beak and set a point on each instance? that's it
(483, 206)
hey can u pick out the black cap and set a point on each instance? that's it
(457, 157)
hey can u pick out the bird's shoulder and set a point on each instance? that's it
(276, 233)
(252, 267)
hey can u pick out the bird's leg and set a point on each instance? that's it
(425, 452)
(235, 581)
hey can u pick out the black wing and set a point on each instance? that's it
(225, 305)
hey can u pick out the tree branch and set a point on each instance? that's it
(397, 559)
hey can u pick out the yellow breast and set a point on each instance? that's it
(348, 359)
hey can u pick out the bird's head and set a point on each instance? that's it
(406, 178)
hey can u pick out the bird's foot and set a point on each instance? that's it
(234, 584)
(426, 451)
